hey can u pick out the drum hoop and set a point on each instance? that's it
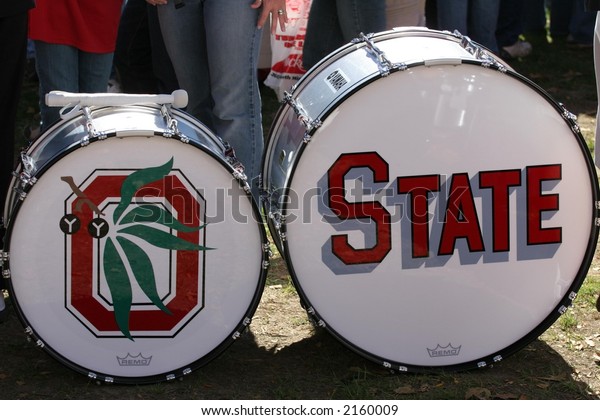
(565, 302)
(183, 370)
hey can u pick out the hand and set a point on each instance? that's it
(156, 2)
(274, 7)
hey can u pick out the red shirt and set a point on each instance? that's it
(89, 25)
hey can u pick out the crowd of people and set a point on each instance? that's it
(210, 48)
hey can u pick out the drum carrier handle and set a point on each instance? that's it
(73, 103)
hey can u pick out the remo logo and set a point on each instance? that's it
(134, 251)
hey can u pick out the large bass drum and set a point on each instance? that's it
(436, 209)
(135, 252)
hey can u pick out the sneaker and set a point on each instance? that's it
(518, 50)
(113, 86)
(573, 43)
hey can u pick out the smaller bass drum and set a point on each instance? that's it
(436, 209)
(135, 252)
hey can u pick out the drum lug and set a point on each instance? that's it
(268, 254)
(267, 249)
(278, 220)
(26, 177)
(91, 129)
(172, 127)
(238, 167)
(302, 115)
(4, 257)
(31, 337)
(480, 53)
(313, 315)
(570, 118)
(383, 63)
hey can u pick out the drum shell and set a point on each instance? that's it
(128, 139)
(296, 200)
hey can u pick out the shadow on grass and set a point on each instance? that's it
(316, 367)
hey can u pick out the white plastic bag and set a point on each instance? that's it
(286, 48)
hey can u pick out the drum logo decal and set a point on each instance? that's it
(130, 360)
(134, 246)
(516, 207)
(446, 351)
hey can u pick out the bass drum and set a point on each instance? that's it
(135, 252)
(436, 209)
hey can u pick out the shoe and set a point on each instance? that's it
(113, 86)
(573, 43)
(517, 50)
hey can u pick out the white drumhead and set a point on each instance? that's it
(435, 293)
(174, 296)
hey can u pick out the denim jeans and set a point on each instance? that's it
(474, 18)
(510, 22)
(569, 17)
(141, 62)
(333, 23)
(62, 67)
(214, 48)
(534, 16)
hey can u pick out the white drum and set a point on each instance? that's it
(435, 208)
(135, 252)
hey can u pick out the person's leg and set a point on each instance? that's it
(560, 17)
(323, 32)
(161, 63)
(483, 18)
(57, 67)
(581, 27)
(94, 72)
(133, 51)
(13, 48)
(404, 13)
(233, 44)
(534, 16)
(510, 25)
(509, 30)
(452, 15)
(184, 38)
(356, 16)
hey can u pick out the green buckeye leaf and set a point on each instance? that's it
(161, 239)
(137, 180)
(143, 271)
(119, 286)
(150, 213)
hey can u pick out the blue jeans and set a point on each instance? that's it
(510, 22)
(333, 23)
(214, 47)
(62, 67)
(568, 17)
(534, 16)
(474, 18)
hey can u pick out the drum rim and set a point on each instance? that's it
(501, 354)
(182, 370)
